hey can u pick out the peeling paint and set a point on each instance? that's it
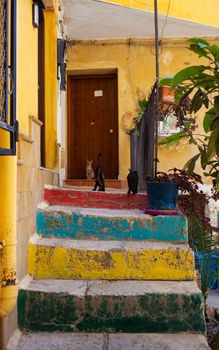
(91, 199)
(148, 264)
(148, 312)
(73, 224)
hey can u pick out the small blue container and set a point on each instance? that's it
(162, 195)
(207, 264)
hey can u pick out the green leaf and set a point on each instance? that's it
(182, 93)
(199, 41)
(206, 102)
(143, 103)
(166, 81)
(192, 141)
(214, 123)
(186, 74)
(172, 139)
(190, 165)
(216, 104)
(214, 49)
(213, 139)
(209, 115)
(217, 181)
(210, 175)
(204, 159)
(214, 174)
(217, 146)
(200, 51)
(196, 101)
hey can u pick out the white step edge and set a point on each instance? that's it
(105, 245)
(107, 288)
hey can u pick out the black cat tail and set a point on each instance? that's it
(100, 160)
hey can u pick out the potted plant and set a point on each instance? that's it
(163, 189)
(192, 202)
(197, 87)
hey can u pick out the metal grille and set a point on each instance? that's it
(3, 60)
(8, 122)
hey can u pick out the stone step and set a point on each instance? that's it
(93, 341)
(109, 224)
(112, 306)
(83, 259)
(88, 198)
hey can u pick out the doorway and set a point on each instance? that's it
(92, 124)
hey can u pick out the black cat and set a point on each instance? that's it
(99, 176)
(132, 179)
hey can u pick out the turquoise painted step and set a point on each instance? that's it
(109, 224)
(104, 306)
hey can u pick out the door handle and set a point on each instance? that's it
(111, 131)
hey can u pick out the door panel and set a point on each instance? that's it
(92, 124)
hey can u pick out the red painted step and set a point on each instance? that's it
(90, 199)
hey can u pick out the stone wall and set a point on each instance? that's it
(31, 179)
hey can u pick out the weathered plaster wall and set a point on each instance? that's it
(135, 61)
(30, 184)
(31, 178)
(27, 178)
(51, 86)
(195, 11)
(27, 74)
(27, 65)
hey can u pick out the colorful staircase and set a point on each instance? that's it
(109, 277)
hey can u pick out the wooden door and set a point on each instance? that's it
(92, 124)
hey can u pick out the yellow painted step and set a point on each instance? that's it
(79, 259)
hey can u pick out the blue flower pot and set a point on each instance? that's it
(162, 195)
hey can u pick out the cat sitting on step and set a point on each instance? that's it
(89, 170)
(132, 179)
(99, 176)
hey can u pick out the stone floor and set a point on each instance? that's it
(70, 341)
(212, 319)
(213, 299)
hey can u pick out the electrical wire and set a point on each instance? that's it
(167, 15)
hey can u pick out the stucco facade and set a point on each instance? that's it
(197, 11)
(22, 178)
(134, 61)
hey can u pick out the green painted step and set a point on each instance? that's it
(109, 224)
(93, 341)
(116, 306)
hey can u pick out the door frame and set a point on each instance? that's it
(105, 73)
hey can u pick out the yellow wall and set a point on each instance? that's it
(195, 11)
(27, 66)
(21, 186)
(51, 87)
(27, 75)
(135, 62)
